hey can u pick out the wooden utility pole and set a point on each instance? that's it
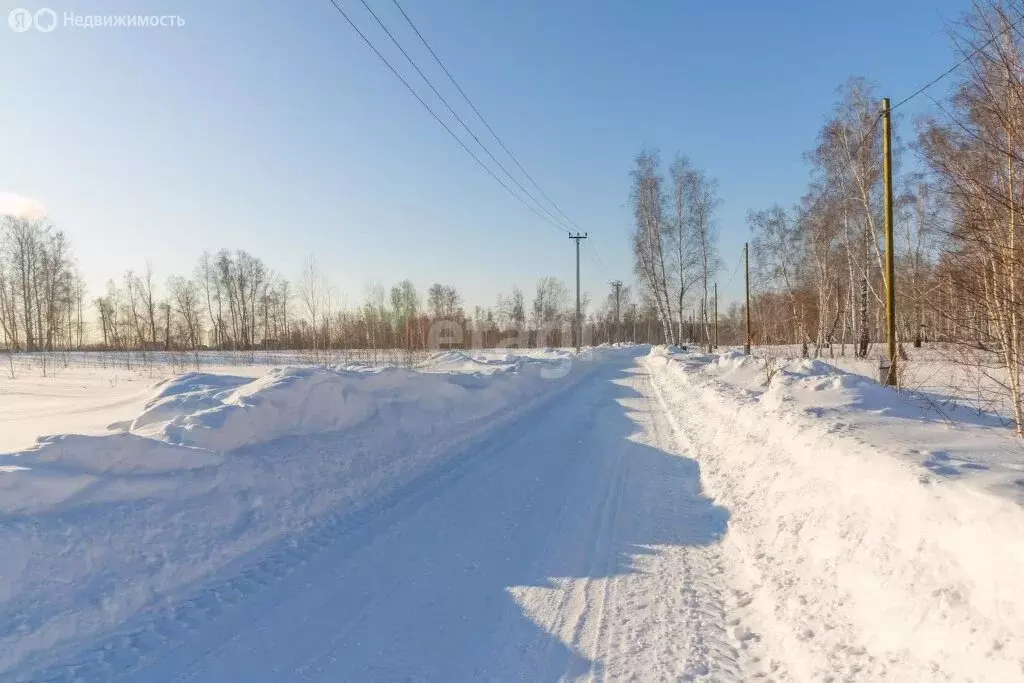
(705, 332)
(890, 268)
(746, 278)
(716, 315)
(617, 284)
(578, 331)
(167, 327)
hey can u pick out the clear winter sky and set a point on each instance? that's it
(269, 126)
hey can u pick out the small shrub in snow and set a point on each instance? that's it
(771, 366)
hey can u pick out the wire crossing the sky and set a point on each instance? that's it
(550, 218)
(438, 118)
(455, 114)
(734, 271)
(853, 155)
(481, 116)
(978, 50)
(959, 64)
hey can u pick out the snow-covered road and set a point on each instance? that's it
(574, 543)
(622, 514)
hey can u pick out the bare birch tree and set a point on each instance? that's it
(647, 198)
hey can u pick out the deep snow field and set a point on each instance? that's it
(821, 527)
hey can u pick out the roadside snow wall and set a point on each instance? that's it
(860, 558)
(94, 529)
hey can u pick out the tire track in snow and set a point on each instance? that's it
(477, 463)
(606, 625)
(492, 468)
(679, 623)
(737, 637)
(600, 587)
(575, 603)
(697, 577)
(167, 628)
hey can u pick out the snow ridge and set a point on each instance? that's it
(97, 529)
(856, 565)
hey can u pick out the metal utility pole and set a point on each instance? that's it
(578, 332)
(617, 284)
(746, 278)
(890, 268)
(716, 315)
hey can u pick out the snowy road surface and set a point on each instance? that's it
(501, 517)
(573, 544)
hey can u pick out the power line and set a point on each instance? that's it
(734, 271)
(599, 262)
(917, 92)
(481, 116)
(853, 155)
(956, 66)
(597, 265)
(438, 118)
(971, 133)
(452, 111)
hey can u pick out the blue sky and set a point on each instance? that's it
(270, 127)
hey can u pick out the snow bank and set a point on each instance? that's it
(480, 362)
(489, 361)
(881, 547)
(96, 528)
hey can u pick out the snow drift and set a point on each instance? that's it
(884, 541)
(95, 529)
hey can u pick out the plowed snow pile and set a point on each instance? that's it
(884, 542)
(94, 529)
